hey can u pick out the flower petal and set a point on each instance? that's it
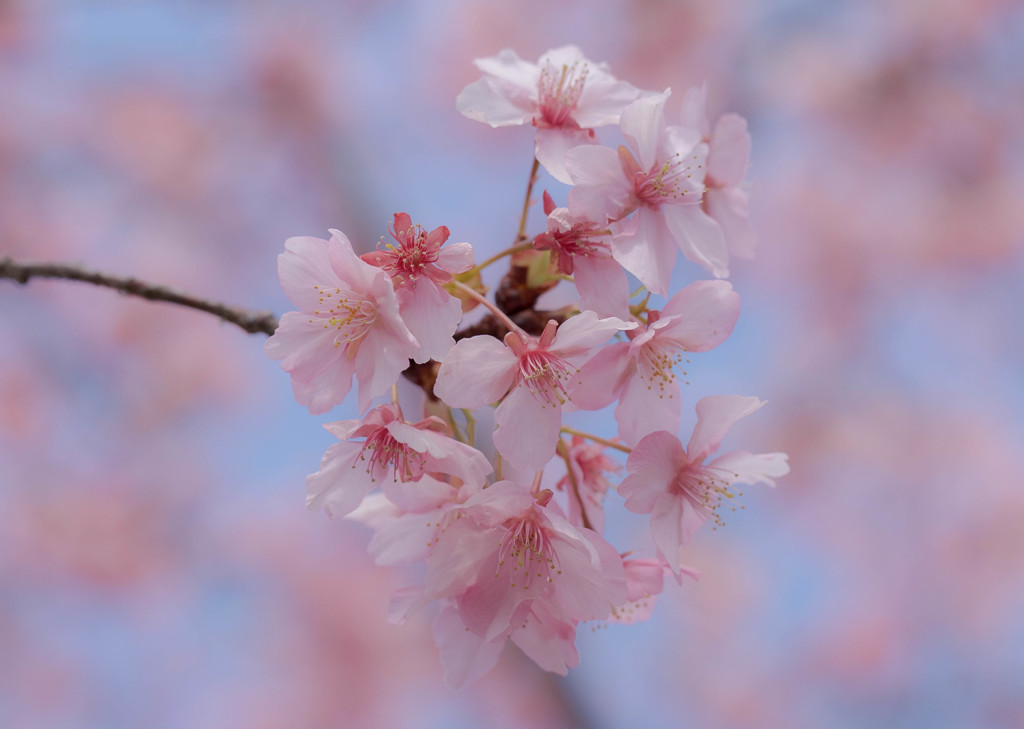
(703, 315)
(476, 371)
(715, 417)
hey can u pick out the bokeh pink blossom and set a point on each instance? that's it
(157, 564)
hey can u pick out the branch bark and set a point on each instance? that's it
(253, 322)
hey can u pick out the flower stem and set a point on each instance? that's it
(502, 316)
(470, 427)
(498, 256)
(564, 452)
(526, 202)
(596, 439)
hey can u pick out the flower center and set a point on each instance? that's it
(383, 453)
(547, 376)
(656, 363)
(669, 183)
(350, 315)
(408, 260)
(558, 91)
(705, 488)
(526, 554)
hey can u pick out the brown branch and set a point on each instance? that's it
(253, 322)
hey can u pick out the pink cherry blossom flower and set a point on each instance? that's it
(659, 181)
(588, 464)
(564, 95)
(680, 491)
(533, 377)
(392, 451)
(582, 249)
(725, 200)
(641, 373)
(419, 268)
(511, 551)
(348, 324)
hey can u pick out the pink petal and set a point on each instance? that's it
(303, 265)
(652, 467)
(379, 362)
(646, 407)
(320, 378)
(602, 285)
(461, 556)
(456, 258)
(552, 145)
(694, 114)
(643, 123)
(601, 190)
(464, 655)
(447, 455)
(341, 483)
(476, 371)
(580, 335)
(488, 102)
(511, 71)
(585, 589)
(715, 417)
(603, 99)
(744, 467)
(705, 313)
(527, 430)
(699, 237)
(730, 151)
(667, 528)
(648, 250)
(420, 496)
(728, 207)
(602, 377)
(432, 316)
(548, 640)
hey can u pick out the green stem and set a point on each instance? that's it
(526, 202)
(596, 439)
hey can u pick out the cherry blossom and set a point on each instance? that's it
(564, 95)
(391, 451)
(513, 549)
(680, 491)
(582, 249)
(658, 181)
(533, 377)
(419, 268)
(348, 324)
(641, 373)
(725, 200)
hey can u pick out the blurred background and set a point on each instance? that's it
(157, 565)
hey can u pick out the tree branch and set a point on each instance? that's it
(253, 322)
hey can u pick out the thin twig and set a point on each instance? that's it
(253, 322)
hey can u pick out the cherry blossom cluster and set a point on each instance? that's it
(507, 522)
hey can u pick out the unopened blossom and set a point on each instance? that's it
(653, 191)
(348, 324)
(563, 95)
(419, 268)
(534, 377)
(513, 550)
(678, 489)
(725, 199)
(642, 374)
(585, 481)
(582, 249)
(389, 451)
